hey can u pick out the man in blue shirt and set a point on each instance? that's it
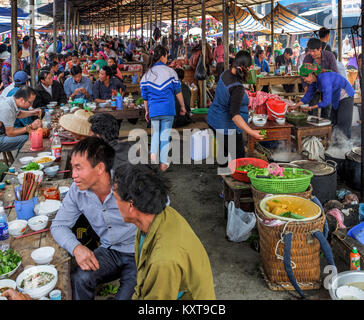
(78, 86)
(103, 87)
(91, 194)
(130, 50)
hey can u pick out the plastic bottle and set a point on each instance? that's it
(56, 147)
(4, 231)
(47, 119)
(355, 259)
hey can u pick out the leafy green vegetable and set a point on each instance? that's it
(287, 174)
(139, 101)
(109, 289)
(9, 260)
(290, 214)
(263, 133)
(31, 166)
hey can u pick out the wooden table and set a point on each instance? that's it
(310, 130)
(278, 80)
(130, 87)
(26, 245)
(275, 132)
(239, 192)
(123, 114)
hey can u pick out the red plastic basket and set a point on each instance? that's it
(243, 175)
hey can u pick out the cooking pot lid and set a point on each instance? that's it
(318, 168)
(357, 151)
(353, 156)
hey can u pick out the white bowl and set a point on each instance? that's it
(37, 173)
(46, 164)
(43, 255)
(9, 274)
(47, 208)
(44, 154)
(281, 120)
(38, 222)
(51, 171)
(7, 283)
(37, 293)
(17, 227)
(260, 120)
(26, 160)
(349, 293)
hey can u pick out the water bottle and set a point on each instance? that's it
(4, 231)
(47, 119)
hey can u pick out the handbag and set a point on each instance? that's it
(200, 73)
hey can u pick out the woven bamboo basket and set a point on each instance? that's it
(258, 195)
(305, 253)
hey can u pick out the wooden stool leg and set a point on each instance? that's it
(5, 159)
(10, 157)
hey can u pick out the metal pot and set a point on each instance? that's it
(344, 278)
(340, 164)
(352, 167)
(324, 181)
(287, 157)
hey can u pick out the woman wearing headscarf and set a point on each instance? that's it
(100, 62)
(159, 86)
(229, 110)
(335, 90)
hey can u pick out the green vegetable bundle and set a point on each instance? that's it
(248, 168)
(287, 174)
(9, 260)
(31, 166)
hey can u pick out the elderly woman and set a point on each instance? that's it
(335, 90)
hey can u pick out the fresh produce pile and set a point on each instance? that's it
(31, 166)
(287, 174)
(9, 260)
(247, 168)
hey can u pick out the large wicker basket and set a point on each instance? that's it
(305, 253)
(258, 195)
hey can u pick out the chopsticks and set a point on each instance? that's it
(32, 233)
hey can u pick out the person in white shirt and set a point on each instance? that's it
(301, 58)
(346, 46)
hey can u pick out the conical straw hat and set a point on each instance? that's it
(77, 122)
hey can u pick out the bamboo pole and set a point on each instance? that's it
(14, 36)
(225, 35)
(142, 25)
(32, 44)
(234, 23)
(151, 26)
(54, 26)
(65, 21)
(203, 27)
(340, 31)
(172, 17)
(272, 25)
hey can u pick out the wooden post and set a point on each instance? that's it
(272, 26)
(234, 24)
(362, 107)
(54, 26)
(225, 34)
(339, 29)
(172, 18)
(203, 27)
(119, 24)
(69, 20)
(130, 26)
(188, 24)
(32, 44)
(65, 21)
(151, 26)
(142, 27)
(155, 14)
(14, 36)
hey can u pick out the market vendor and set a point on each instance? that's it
(172, 263)
(102, 88)
(48, 90)
(229, 110)
(78, 86)
(12, 138)
(91, 194)
(259, 60)
(335, 90)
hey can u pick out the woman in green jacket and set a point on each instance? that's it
(100, 62)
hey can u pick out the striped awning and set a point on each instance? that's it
(245, 22)
(286, 21)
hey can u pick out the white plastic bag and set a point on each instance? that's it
(239, 224)
(314, 147)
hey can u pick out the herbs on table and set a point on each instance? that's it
(287, 174)
(31, 166)
(9, 260)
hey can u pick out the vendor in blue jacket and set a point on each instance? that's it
(335, 89)
(228, 114)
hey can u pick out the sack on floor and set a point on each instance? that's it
(239, 224)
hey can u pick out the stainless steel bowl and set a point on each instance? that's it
(344, 278)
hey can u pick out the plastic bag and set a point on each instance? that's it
(200, 73)
(239, 224)
(314, 148)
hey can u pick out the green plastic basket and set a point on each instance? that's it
(200, 111)
(282, 185)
